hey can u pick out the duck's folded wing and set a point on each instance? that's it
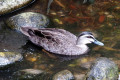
(49, 33)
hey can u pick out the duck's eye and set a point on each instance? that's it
(89, 37)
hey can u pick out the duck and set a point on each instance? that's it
(60, 41)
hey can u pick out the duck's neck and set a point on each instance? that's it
(84, 48)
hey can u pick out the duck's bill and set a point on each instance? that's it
(98, 43)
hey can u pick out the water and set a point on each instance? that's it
(105, 29)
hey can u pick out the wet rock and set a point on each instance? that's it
(27, 19)
(103, 69)
(9, 58)
(30, 74)
(63, 75)
(7, 6)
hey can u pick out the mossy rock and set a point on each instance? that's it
(103, 69)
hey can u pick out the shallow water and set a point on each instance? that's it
(107, 31)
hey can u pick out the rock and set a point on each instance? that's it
(63, 75)
(27, 19)
(32, 71)
(30, 74)
(86, 65)
(7, 6)
(103, 69)
(9, 58)
(79, 76)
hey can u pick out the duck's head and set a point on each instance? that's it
(87, 38)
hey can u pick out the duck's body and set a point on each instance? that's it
(57, 41)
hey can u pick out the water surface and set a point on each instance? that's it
(103, 22)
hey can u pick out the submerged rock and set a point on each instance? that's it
(30, 74)
(63, 75)
(79, 76)
(103, 69)
(7, 6)
(27, 19)
(9, 58)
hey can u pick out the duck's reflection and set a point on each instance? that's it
(68, 57)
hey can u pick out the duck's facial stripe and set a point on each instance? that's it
(85, 33)
(90, 37)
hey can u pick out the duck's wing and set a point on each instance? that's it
(49, 33)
